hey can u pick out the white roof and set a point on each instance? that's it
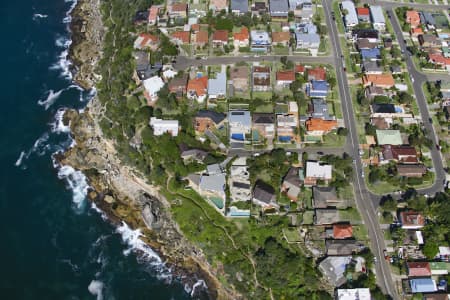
(293, 107)
(401, 87)
(444, 250)
(377, 14)
(153, 85)
(353, 294)
(169, 73)
(162, 126)
(259, 36)
(315, 170)
(351, 18)
(419, 237)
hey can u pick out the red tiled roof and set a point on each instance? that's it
(286, 75)
(412, 218)
(199, 85)
(280, 37)
(320, 125)
(242, 35)
(379, 80)
(412, 17)
(201, 37)
(182, 36)
(195, 27)
(362, 11)
(438, 58)
(318, 73)
(299, 68)
(419, 269)
(220, 35)
(178, 7)
(147, 39)
(153, 14)
(342, 231)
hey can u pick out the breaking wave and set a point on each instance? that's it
(96, 289)
(39, 16)
(77, 182)
(51, 98)
(57, 126)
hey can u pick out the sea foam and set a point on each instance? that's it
(57, 126)
(96, 289)
(77, 182)
(51, 98)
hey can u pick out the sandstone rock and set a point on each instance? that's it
(109, 199)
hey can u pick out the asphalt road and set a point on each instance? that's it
(419, 79)
(363, 198)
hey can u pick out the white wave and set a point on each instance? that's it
(133, 239)
(69, 262)
(39, 16)
(51, 98)
(199, 284)
(96, 289)
(57, 126)
(100, 212)
(68, 18)
(40, 146)
(63, 64)
(19, 160)
(62, 42)
(77, 182)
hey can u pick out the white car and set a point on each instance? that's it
(362, 174)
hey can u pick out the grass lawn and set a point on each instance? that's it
(308, 217)
(333, 140)
(280, 50)
(306, 198)
(337, 14)
(381, 187)
(267, 108)
(347, 193)
(350, 215)
(360, 233)
(292, 235)
(262, 95)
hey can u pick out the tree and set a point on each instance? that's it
(430, 249)
(388, 203)
(405, 98)
(342, 131)
(283, 60)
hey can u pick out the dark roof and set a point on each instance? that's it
(292, 177)
(383, 108)
(179, 81)
(371, 66)
(141, 16)
(411, 169)
(341, 247)
(322, 195)
(213, 115)
(395, 152)
(263, 118)
(241, 185)
(263, 192)
(365, 33)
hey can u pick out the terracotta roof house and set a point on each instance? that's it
(381, 80)
(411, 170)
(341, 247)
(379, 123)
(261, 79)
(419, 269)
(401, 154)
(285, 78)
(218, 5)
(281, 38)
(325, 196)
(200, 38)
(363, 14)
(429, 41)
(177, 10)
(317, 73)
(299, 69)
(239, 76)
(411, 220)
(146, 40)
(178, 85)
(413, 18)
(208, 119)
(416, 31)
(292, 183)
(181, 37)
(264, 196)
(153, 15)
(241, 38)
(320, 127)
(326, 216)
(342, 231)
(438, 59)
(197, 88)
(195, 27)
(220, 38)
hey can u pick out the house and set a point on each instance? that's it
(307, 40)
(200, 38)
(299, 69)
(365, 44)
(260, 41)
(418, 269)
(363, 14)
(302, 9)
(218, 5)
(320, 110)
(177, 10)
(264, 196)
(239, 7)
(371, 67)
(370, 54)
(387, 43)
(287, 123)
(412, 220)
(429, 41)
(317, 73)
(220, 38)
(326, 216)
(341, 247)
(285, 78)
(146, 41)
(389, 137)
(278, 9)
(412, 18)
(162, 126)
(377, 16)
(439, 60)
(181, 37)
(373, 91)
(422, 285)
(240, 188)
(399, 154)
(380, 123)
(334, 267)
(197, 88)
(141, 17)
(385, 80)
(208, 120)
(411, 170)
(264, 124)
(152, 86)
(239, 76)
(384, 110)
(353, 294)
(342, 231)
(324, 196)
(240, 124)
(217, 87)
(351, 18)
(261, 79)
(189, 155)
(319, 127)
(427, 19)
(370, 34)
(213, 185)
(317, 89)
(281, 38)
(153, 15)
(143, 68)
(241, 38)
(178, 85)
(317, 171)
(415, 32)
(292, 183)
(396, 69)
(258, 8)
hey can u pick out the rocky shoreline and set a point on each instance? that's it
(119, 191)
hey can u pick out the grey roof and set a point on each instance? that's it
(241, 185)
(292, 177)
(263, 118)
(326, 216)
(427, 18)
(213, 169)
(218, 85)
(396, 69)
(377, 14)
(384, 108)
(279, 8)
(365, 33)
(312, 38)
(351, 17)
(241, 116)
(334, 268)
(371, 66)
(197, 154)
(214, 116)
(320, 109)
(341, 247)
(213, 182)
(194, 178)
(263, 192)
(324, 196)
(239, 5)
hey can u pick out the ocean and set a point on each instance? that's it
(55, 245)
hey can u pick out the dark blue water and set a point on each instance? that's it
(54, 245)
